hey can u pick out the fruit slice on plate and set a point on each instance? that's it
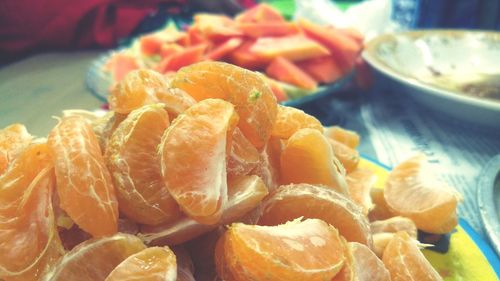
(323, 69)
(360, 182)
(308, 158)
(286, 71)
(405, 261)
(293, 47)
(347, 137)
(135, 167)
(362, 265)
(343, 48)
(411, 192)
(153, 264)
(243, 156)
(298, 250)
(348, 157)
(289, 202)
(84, 184)
(193, 155)
(244, 194)
(13, 139)
(253, 99)
(94, 259)
(290, 120)
(27, 216)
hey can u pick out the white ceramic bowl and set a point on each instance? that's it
(439, 69)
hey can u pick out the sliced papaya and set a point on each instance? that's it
(182, 58)
(260, 13)
(322, 69)
(222, 50)
(342, 47)
(216, 26)
(293, 47)
(284, 70)
(257, 30)
(120, 65)
(150, 44)
(245, 58)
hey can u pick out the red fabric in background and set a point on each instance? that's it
(67, 24)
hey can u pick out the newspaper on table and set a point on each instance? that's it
(397, 128)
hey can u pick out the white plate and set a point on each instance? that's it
(438, 68)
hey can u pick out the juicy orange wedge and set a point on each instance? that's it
(289, 120)
(405, 261)
(293, 201)
(412, 192)
(150, 264)
(193, 158)
(13, 139)
(244, 194)
(135, 167)
(298, 250)
(94, 259)
(84, 184)
(30, 242)
(308, 158)
(253, 99)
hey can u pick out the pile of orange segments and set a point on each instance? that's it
(205, 177)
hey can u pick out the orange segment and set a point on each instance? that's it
(138, 87)
(30, 242)
(268, 168)
(253, 99)
(135, 167)
(394, 225)
(360, 183)
(144, 86)
(243, 156)
(290, 120)
(299, 250)
(412, 192)
(308, 158)
(347, 137)
(244, 194)
(94, 259)
(367, 266)
(83, 181)
(380, 210)
(346, 155)
(304, 200)
(404, 260)
(150, 264)
(193, 158)
(13, 139)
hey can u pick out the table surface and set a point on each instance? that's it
(37, 88)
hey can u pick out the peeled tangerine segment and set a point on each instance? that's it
(84, 184)
(243, 156)
(253, 99)
(144, 86)
(135, 167)
(308, 158)
(298, 250)
(412, 192)
(193, 155)
(30, 242)
(290, 120)
(244, 194)
(360, 183)
(150, 264)
(13, 139)
(94, 259)
(362, 265)
(304, 200)
(405, 261)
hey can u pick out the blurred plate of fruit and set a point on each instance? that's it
(301, 61)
